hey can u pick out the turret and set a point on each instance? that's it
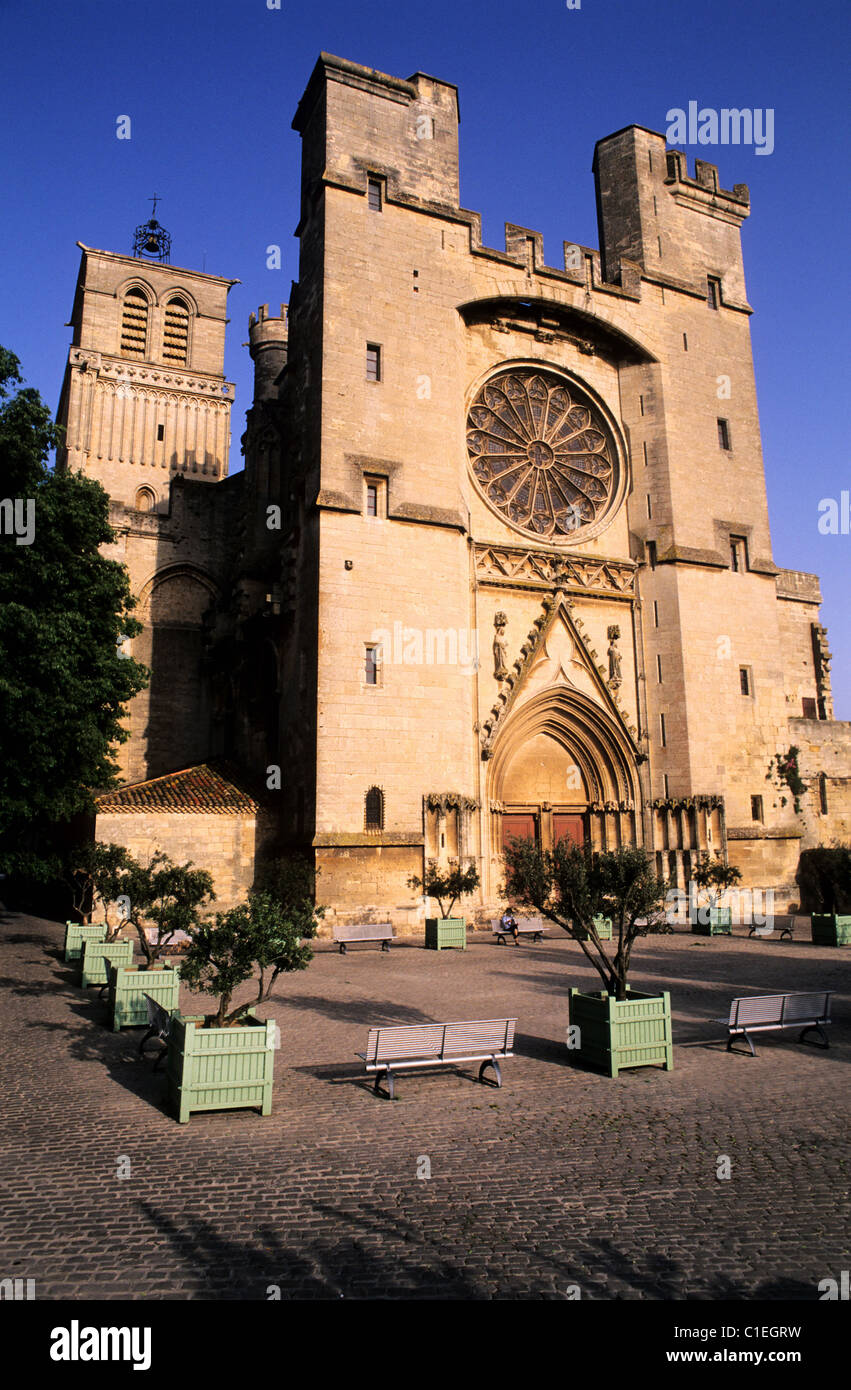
(267, 341)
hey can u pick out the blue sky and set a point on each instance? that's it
(211, 89)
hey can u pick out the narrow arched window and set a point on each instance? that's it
(374, 809)
(146, 500)
(176, 332)
(134, 324)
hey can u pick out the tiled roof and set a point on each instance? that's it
(206, 789)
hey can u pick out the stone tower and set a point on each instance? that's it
(144, 396)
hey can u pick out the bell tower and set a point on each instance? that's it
(144, 397)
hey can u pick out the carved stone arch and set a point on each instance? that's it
(581, 728)
(136, 282)
(566, 316)
(180, 292)
(186, 577)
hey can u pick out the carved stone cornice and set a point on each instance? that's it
(150, 374)
(442, 801)
(516, 567)
(687, 803)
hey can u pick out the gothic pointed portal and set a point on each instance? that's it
(558, 652)
(563, 768)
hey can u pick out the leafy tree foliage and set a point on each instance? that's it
(714, 874)
(261, 938)
(447, 885)
(572, 886)
(165, 895)
(93, 873)
(824, 878)
(64, 608)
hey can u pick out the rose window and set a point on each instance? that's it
(540, 452)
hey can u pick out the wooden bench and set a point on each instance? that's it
(346, 934)
(765, 1013)
(390, 1050)
(788, 929)
(526, 926)
(159, 1026)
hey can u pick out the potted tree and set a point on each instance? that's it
(824, 877)
(572, 886)
(225, 1061)
(446, 886)
(163, 901)
(713, 875)
(92, 872)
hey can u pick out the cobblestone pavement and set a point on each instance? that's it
(564, 1177)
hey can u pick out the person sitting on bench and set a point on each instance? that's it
(508, 924)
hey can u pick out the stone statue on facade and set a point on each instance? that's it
(500, 647)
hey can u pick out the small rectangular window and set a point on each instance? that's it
(756, 808)
(373, 195)
(160, 432)
(375, 497)
(822, 793)
(738, 554)
(724, 434)
(745, 680)
(663, 736)
(655, 612)
(665, 791)
(809, 707)
(373, 362)
(713, 292)
(685, 342)
(651, 554)
(372, 663)
(644, 447)
(649, 508)
(659, 667)
(641, 404)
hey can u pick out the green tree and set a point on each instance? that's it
(571, 886)
(447, 885)
(714, 875)
(93, 873)
(64, 608)
(170, 897)
(257, 939)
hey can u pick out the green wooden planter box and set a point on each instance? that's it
(441, 932)
(828, 929)
(78, 932)
(634, 1032)
(712, 921)
(128, 986)
(97, 953)
(604, 929)
(220, 1068)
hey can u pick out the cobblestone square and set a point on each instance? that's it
(563, 1179)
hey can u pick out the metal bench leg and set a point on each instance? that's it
(491, 1062)
(391, 1083)
(500, 939)
(732, 1038)
(342, 948)
(385, 945)
(817, 1028)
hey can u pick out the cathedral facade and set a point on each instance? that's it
(499, 561)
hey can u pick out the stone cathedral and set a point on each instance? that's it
(499, 560)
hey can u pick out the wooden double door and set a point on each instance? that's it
(526, 825)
